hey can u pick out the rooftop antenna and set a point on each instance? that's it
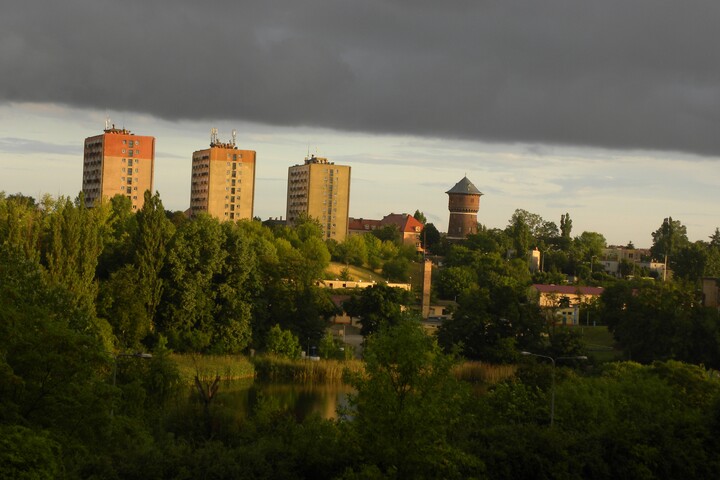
(234, 137)
(107, 122)
(213, 136)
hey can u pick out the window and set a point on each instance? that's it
(136, 170)
(129, 162)
(130, 143)
(129, 153)
(123, 150)
(123, 169)
(124, 142)
(129, 180)
(137, 142)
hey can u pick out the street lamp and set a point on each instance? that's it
(552, 390)
(118, 355)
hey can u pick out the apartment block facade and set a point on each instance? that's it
(118, 162)
(321, 190)
(223, 181)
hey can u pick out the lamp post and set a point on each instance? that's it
(116, 356)
(552, 389)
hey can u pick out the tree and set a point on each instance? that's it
(154, 232)
(388, 233)
(430, 237)
(668, 239)
(420, 217)
(377, 305)
(75, 239)
(195, 258)
(565, 226)
(661, 321)
(519, 231)
(452, 281)
(535, 223)
(396, 269)
(283, 343)
(690, 261)
(353, 251)
(492, 323)
(715, 238)
(407, 404)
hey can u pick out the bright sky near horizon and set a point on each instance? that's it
(608, 111)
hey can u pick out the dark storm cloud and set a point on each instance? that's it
(620, 74)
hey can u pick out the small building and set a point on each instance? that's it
(409, 227)
(564, 301)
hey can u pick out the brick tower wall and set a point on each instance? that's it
(463, 215)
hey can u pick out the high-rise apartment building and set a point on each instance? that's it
(223, 180)
(321, 190)
(118, 162)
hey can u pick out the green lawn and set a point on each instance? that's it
(600, 343)
(356, 273)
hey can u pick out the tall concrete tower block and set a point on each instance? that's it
(463, 203)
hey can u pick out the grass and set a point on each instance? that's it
(485, 373)
(600, 343)
(280, 369)
(229, 367)
(356, 273)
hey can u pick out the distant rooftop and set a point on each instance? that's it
(315, 159)
(118, 130)
(465, 187)
(568, 289)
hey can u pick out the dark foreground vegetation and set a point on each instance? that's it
(82, 290)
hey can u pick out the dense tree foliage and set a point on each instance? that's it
(82, 288)
(378, 305)
(661, 320)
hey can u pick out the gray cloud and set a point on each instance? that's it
(26, 146)
(643, 74)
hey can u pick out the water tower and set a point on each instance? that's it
(463, 203)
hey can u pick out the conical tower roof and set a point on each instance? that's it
(464, 187)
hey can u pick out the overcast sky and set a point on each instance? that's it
(609, 110)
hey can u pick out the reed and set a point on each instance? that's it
(486, 373)
(228, 367)
(280, 369)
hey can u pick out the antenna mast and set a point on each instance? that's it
(213, 137)
(234, 137)
(107, 122)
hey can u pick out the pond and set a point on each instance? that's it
(302, 400)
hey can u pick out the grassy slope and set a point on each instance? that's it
(600, 343)
(356, 273)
